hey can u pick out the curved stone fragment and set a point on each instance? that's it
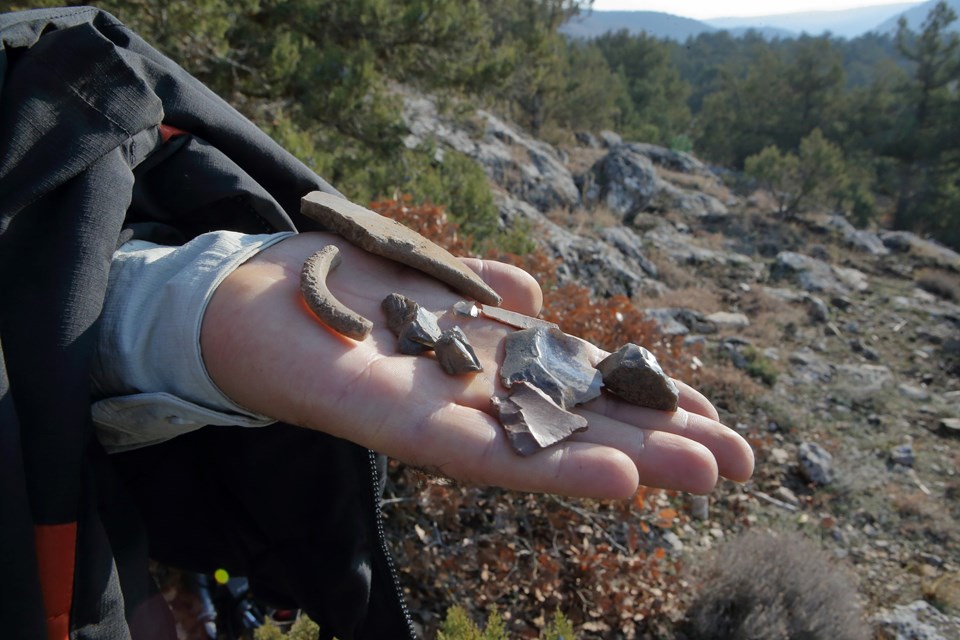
(552, 361)
(455, 354)
(330, 311)
(634, 374)
(533, 420)
(388, 238)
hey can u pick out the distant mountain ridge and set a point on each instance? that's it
(917, 15)
(592, 24)
(848, 23)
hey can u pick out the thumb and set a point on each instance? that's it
(520, 291)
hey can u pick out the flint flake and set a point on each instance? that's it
(513, 319)
(415, 327)
(634, 374)
(466, 308)
(533, 420)
(552, 361)
(455, 354)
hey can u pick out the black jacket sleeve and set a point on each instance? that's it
(85, 163)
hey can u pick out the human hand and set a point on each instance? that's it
(266, 351)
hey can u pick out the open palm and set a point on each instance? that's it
(266, 350)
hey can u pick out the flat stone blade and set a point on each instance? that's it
(514, 319)
(388, 238)
(533, 421)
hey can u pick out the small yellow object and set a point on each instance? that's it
(221, 576)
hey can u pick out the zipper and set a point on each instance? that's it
(382, 542)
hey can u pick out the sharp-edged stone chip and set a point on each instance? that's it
(634, 374)
(455, 354)
(415, 327)
(552, 361)
(398, 308)
(513, 319)
(533, 420)
(467, 308)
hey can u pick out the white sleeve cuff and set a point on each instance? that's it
(148, 368)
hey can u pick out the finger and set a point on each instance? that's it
(733, 455)
(521, 292)
(663, 460)
(469, 445)
(695, 402)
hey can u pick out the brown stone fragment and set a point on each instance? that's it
(533, 421)
(415, 327)
(455, 354)
(398, 309)
(330, 311)
(634, 374)
(552, 361)
(514, 319)
(388, 238)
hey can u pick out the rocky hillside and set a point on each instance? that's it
(836, 351)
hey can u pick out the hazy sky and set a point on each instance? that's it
(703, 9)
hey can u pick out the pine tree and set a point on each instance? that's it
(926, 144)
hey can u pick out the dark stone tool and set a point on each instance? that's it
(388, 238)
(634, 374)
(455, 354)
(415, 327)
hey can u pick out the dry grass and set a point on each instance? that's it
(728, 388)
(581, 159)
(940, 283)
(583, 221)
(672, 274)
(762, 202)
(695, 296)
(709, 186)
(933, 254)
(775, 587)
(769, 316)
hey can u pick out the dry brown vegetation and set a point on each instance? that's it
(939, 282)
(584, 221)
(703, 184)
(602, 563)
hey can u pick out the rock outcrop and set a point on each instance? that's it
(857, 359)
(526, 168)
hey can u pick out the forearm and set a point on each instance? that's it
(150, 382)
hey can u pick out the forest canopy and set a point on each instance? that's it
(319, 76)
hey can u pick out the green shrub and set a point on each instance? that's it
(303, 629)
(816, 176)
(458, 626)
(681, 142)
(760, 367)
